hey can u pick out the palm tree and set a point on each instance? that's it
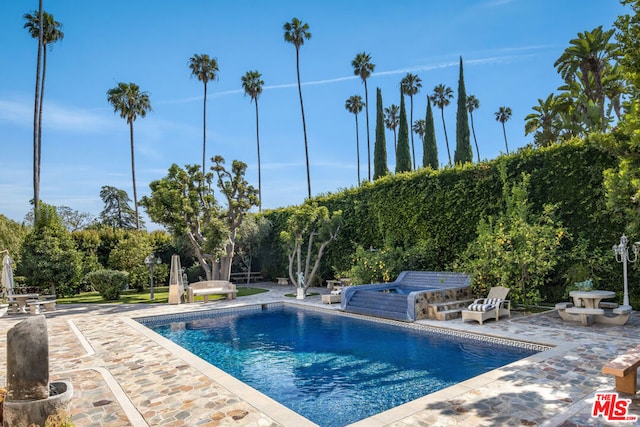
(363, 67)
(472, 105)
(441, 97)
(252, 84)
(205, 69)
(420, 128)
(590, 54)
(544, 123)
(127, 99)
(295, 32)
(46, 34)
(502, 116)
(391, 121)
(354, 105)
(410, 85)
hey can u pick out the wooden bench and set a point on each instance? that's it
(211, 287)
(625, 369)
(35, 306)
(245, 276)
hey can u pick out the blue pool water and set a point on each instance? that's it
(332, 369)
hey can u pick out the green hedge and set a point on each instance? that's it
(441, 210)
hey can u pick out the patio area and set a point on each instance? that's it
(123, 375)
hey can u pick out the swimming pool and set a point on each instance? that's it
(333, 369)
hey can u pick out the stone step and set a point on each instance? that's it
(448, 314)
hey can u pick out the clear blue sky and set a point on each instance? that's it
(508, 48)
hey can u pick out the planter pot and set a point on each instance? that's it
(300, 294)
(3, 309)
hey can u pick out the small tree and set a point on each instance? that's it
(251, 235)
(240, 198)
(380, 148)
(49, 258)
(430, 153)
(309, 230)
(517, 249)
(403, 160)
(463, 153)
(183, 201)
(117, 213)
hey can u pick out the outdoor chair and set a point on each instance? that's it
(495, 305)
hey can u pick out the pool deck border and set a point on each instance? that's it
(116, 365)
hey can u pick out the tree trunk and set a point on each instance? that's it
(44, 72)
(304, 124)
(358, 149)
(474, 137)
(204, 263)
(446, 138)
(133, 175)
(504, 132)
(366, 109)
(259, 168)
(36, 121)
(204, 130)
(413, 148)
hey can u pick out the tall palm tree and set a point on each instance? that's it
(252, 84)
(46, 34)
(205, 69)
(502, 116)
(410, 85)
(590, 54)
(354, 105)
(473, 104)
(295, 32)
(391, 121)
(420, 128)
(441, 97)
(363, 67)
(127, 99)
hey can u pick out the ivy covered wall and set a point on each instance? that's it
(440, 210)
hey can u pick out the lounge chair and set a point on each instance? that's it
(495, 305)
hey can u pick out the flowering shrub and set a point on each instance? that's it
(373, 266)
(517, 250)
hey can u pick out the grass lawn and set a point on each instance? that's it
(161, 294)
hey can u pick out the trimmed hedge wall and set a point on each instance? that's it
(442, 208)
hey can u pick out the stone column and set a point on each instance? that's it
(28, 360)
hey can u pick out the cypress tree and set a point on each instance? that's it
(380, 148)
(403, 159)
(463, 152)
(429, 147)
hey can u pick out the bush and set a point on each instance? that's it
(109, 283)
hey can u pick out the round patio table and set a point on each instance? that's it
(21, 299)
(591, 299)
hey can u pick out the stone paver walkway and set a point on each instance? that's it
(124, 376)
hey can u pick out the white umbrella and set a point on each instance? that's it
(7, 277)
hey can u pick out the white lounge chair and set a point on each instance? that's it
(495, 305)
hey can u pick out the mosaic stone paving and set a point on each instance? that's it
(122, 377)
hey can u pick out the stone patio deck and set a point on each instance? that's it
(125, 375)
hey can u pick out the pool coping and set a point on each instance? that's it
(287, 417)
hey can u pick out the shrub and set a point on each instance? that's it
(373, 266)
(516, 250)
(109, 283)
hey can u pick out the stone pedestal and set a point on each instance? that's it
(30, 398)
